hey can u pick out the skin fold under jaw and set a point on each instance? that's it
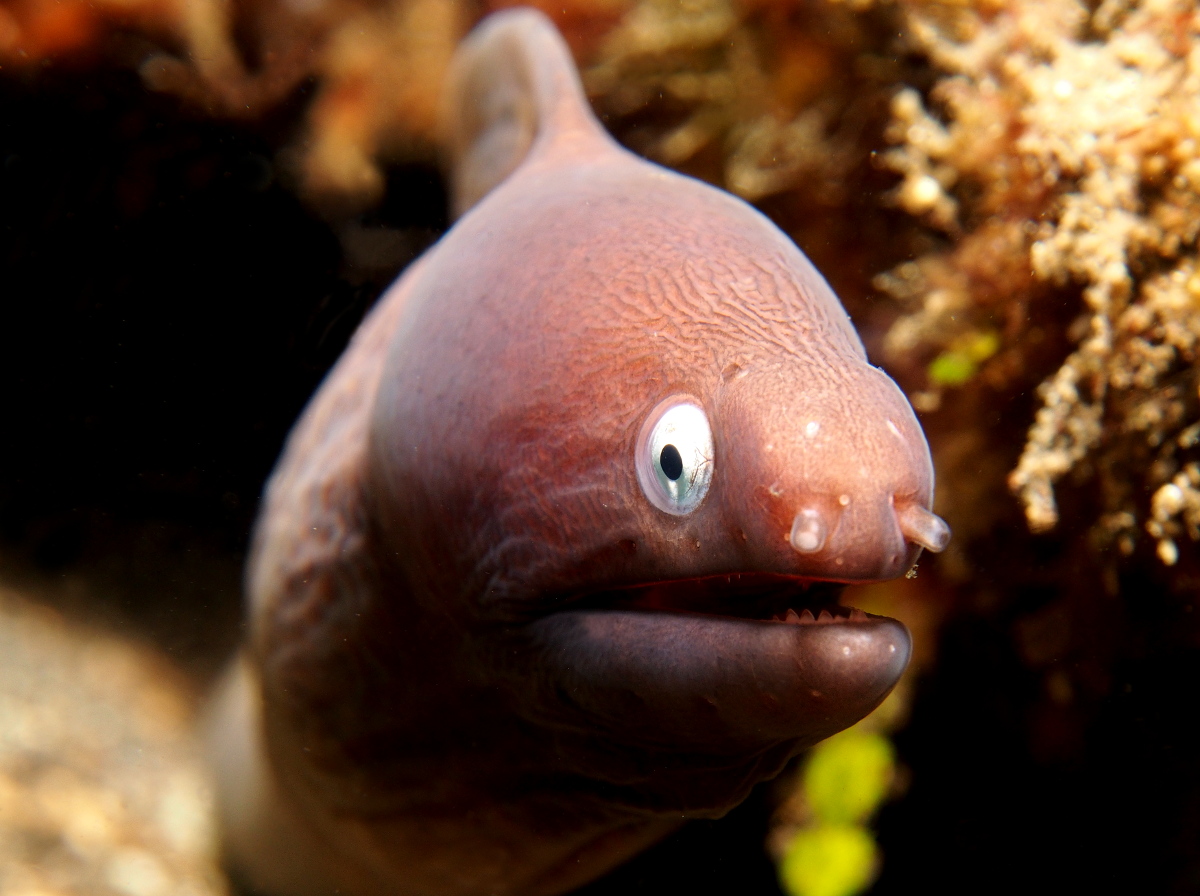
(551, 560)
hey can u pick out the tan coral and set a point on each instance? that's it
(1099, 142)
(383, 70)
(379, 64)
(759, 88)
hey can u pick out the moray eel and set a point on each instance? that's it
(550, 562)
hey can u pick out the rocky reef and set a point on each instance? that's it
(1005, 193)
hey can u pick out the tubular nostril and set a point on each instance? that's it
(923, 527)
(808, 532)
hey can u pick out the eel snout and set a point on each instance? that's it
(843, 478)
(862, 537)
(834, 534)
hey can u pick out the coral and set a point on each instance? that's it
(1065, 148)
(753, 95)
(758, 86)
(382, 73)
(379, 67)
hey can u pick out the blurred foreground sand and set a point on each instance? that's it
(101, 786)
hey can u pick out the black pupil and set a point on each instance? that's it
(671, 462)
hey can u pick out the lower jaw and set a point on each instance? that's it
(710, 685)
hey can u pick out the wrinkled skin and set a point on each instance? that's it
(480, 660)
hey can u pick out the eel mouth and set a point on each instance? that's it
(717, 664)
(756, 597)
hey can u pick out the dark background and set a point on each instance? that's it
(168, 305)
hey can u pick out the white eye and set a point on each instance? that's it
(675, 455)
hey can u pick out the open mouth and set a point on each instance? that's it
(715, 665)
(760, 597)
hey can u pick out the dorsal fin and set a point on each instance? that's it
(513, 93)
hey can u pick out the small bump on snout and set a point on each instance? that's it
(809, 532)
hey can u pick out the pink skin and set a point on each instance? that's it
(480, 659)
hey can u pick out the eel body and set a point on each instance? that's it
(547, 565)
